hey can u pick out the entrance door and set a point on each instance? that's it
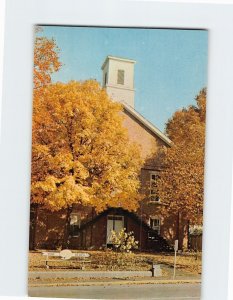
(115, 223)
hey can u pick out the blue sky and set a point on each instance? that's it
(171, 65)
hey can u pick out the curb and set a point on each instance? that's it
(128, 282)
(88, 274)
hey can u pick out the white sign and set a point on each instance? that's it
(176, 245)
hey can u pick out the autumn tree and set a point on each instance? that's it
(46, 59)
(181, 182)
(81, 152)
(46, 62)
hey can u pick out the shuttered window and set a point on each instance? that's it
(153, 187)
(120, 76)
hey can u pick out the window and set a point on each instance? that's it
(120, 76)
(153, 187)
(75, 223)
(155, 224)
(105, 78)
(115, 217)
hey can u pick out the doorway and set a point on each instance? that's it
(116, 223)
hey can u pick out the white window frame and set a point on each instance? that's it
(155, 227)
(77, 222)
(116, 217)
(113, 218)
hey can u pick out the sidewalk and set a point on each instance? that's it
(90, 274)
(91, 278)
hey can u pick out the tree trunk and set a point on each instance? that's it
(196, 247)
(188, 226)
(33, 226)
(178, 229)
(92, 216)
(65, 243)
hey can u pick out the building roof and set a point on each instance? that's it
(116, 210)
(147, 124)
(133, 112)
(117, 58)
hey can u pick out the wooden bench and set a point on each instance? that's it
(67, 255)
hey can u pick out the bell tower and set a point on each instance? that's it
(118, 79)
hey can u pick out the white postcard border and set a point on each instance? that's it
(17, 108)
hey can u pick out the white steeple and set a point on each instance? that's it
(118, 79)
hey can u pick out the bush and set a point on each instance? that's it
(195, 230)
(123, 241)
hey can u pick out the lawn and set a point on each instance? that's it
(187, 263)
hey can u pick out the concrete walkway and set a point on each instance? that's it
(124, 291)
(88, 278)
(90, 274)
(64, 278)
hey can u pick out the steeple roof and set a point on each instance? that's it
(117, 58)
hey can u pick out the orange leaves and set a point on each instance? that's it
(181, 184)
(46, 61)
(81, 152)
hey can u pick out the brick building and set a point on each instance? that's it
(88, 230)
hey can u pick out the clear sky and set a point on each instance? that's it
(170, 70)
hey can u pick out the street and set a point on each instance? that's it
(142, 291)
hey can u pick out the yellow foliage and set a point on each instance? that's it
(46, 61)
(123, 241)
(181, 183)
(81, 152)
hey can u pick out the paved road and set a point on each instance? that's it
(143, 291)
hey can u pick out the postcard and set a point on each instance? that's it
(118, 147)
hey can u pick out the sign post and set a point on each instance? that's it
(176, 249)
